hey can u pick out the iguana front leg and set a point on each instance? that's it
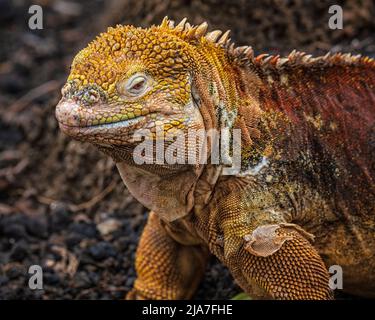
(166, 269)
(277, 261)
(268, 256)
(281, 261)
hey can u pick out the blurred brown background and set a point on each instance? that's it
(62, 204)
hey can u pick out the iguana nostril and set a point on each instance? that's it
(90, 96)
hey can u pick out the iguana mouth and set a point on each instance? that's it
(106, 129)
(110, 125)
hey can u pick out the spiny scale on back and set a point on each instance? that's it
(174, 50)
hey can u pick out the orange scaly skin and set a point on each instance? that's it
(305, 196)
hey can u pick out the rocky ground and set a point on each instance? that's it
(62, 204)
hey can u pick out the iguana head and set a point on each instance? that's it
(132, 78)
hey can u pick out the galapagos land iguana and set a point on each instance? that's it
(304, 197)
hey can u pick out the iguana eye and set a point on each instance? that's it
(134, 86)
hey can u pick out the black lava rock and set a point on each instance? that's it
(59, 218)
(36, 227)
(51, 278)
(16, 231)
(101, 250)
(84, 229)
(3, 280)
(20, 251)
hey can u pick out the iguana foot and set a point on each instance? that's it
(166, 269)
